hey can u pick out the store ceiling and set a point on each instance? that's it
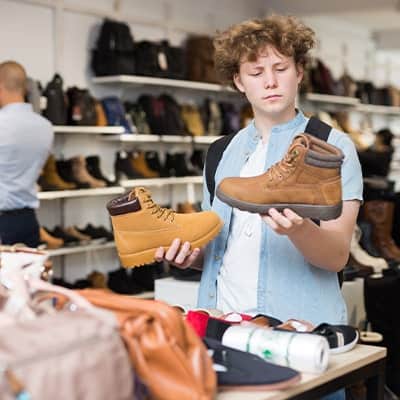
(380, 17)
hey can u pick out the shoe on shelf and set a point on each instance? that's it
(186, 207)
(307, 180)
(141, 226)
(52, 242)
(83, 239)
(97, 234)
(154, 163)
(62, 234)
(82, 175)
(176, 165)
(139, 164)
(64, 168)
(51, 180)
(93, 167)
(380, 214)
(366, 239)
(123, 167)
(97, 280)
(119, 281)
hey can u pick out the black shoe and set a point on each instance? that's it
(154, 163)
(188, 274)
(176, 165)
(145, 275)
(64, 169)
(97, 233)
(197, 160)
(366, 239)
(68, 239)
(93, 167)
(123, 166)
(119, 281)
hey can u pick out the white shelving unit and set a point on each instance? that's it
(63, 194)
(150, 81)
(80, 249)
(330, 99)
(376, 109)
(139, 138)
(89, 130)
(186, 180)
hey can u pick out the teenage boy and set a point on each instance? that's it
(279, 264)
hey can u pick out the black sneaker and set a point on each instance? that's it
(64, 169)
(341, 338)
(98, 235)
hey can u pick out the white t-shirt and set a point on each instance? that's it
(238, 276)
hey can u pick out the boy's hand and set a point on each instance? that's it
(284, 223)
(178, 255)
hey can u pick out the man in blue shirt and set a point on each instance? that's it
(25, 142)
(278, 264)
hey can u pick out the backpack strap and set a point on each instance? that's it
(317, 128)
(214, 155)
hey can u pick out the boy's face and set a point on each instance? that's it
(270, 83)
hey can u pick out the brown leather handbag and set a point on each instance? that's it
(166, 353)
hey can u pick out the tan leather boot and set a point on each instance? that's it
(82, 175)
(139, 164)
(186, 207)
(141, 226)
(380, 215)
(307, 180)
(51, 180)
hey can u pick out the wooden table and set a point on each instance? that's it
(362, 363)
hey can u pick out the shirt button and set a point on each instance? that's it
(217, 258)
(211, 295)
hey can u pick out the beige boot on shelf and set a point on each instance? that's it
(141, 226)
(361, 256)
(82, 175)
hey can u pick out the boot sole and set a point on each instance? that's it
(323, 213)
(147, 257)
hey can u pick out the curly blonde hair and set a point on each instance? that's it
(245, 41)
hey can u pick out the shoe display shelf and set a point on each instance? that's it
(185, 180)
(80, 249)
(349, 103)
(139, 138)
(63, 194)
(163, 82)
(88, 130)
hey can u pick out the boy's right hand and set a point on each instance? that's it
(180, 256)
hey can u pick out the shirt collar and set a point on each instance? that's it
(17, 106)
(289, 125)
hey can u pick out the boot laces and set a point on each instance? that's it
(282, 169)
(157, 210)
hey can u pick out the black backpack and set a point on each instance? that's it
(114, 52)
(56, 107)
(314, 127)
(81, 107)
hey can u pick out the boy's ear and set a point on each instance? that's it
(238, 83)
(300, 73)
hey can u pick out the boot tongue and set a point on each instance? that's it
(140, 193)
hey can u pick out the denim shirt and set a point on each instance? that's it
(288, 286)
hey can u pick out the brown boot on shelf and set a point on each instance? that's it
(82, 175)
(139, 164)
(186, 208)
(307, 180)
(51, 241)
(141, 227)
(380, 215)
(83, 239)
(51, 180)
(97, 280)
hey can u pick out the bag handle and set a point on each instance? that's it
(75, 298)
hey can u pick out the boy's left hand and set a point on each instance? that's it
(283, 223)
